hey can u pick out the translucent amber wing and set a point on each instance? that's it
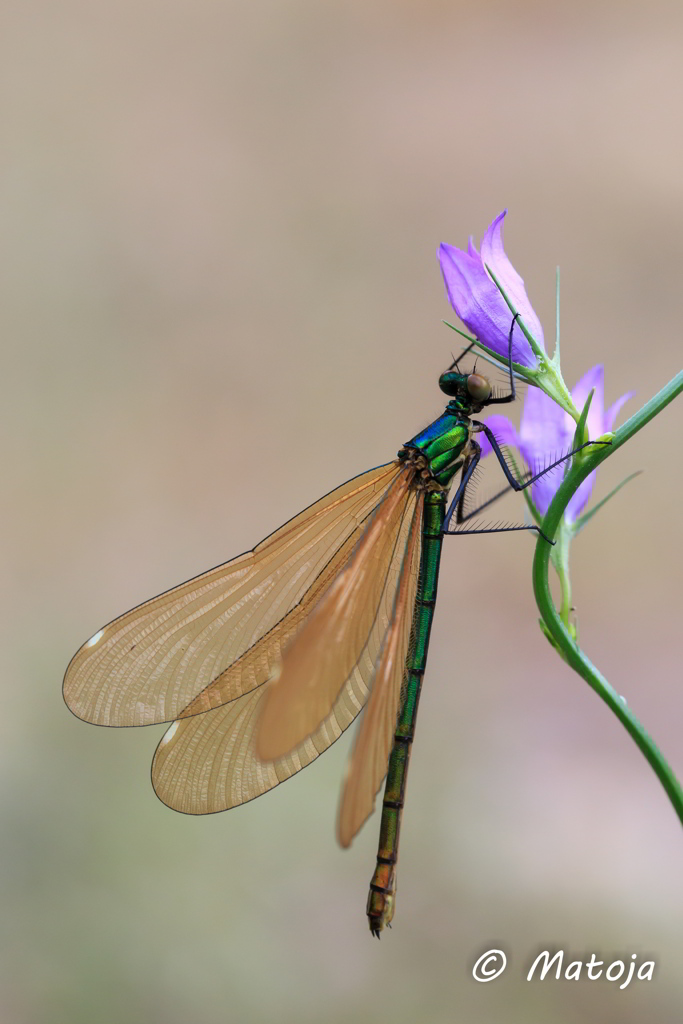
(207, 762)
(149, 664)
(323, 653)
(374, 741)
(262, 660)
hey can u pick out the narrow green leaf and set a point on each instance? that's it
(582, 520)
(580, 432)
(521, 372)
(556, 354)
(458, 331)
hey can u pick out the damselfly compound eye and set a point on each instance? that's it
(478, 387)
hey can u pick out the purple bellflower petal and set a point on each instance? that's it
(579, 499)
(598, 422)
(615, 409)
(547, 432)
(503, 431)
(493, 254)
(593, 379)
(545, 427)
(477, 301)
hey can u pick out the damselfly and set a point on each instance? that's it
(263, 662)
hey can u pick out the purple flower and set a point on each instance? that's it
(547, 431)
(477, 301)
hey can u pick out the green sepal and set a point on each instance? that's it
(461, 333)
(556, 354)
(535, 347)
(494, 362)
(580, 435)
(547, 375)
(580, 432)
(519, 370)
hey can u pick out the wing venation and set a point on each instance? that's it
(207, 762)
(320, 658)
(148, 665)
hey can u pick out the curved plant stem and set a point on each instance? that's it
(556, 627)
(561, 560)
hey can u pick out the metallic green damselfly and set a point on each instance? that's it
(263, 662)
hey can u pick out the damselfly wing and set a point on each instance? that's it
(261, 663)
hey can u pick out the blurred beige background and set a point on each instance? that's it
(220, 298)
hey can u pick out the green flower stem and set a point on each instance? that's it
(554, 624)
(560, 559)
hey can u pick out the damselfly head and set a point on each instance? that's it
(473, 386)
(453, 384)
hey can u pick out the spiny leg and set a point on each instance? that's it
(461, 516)
(515, 484)
(467, 472)
(513, 394)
